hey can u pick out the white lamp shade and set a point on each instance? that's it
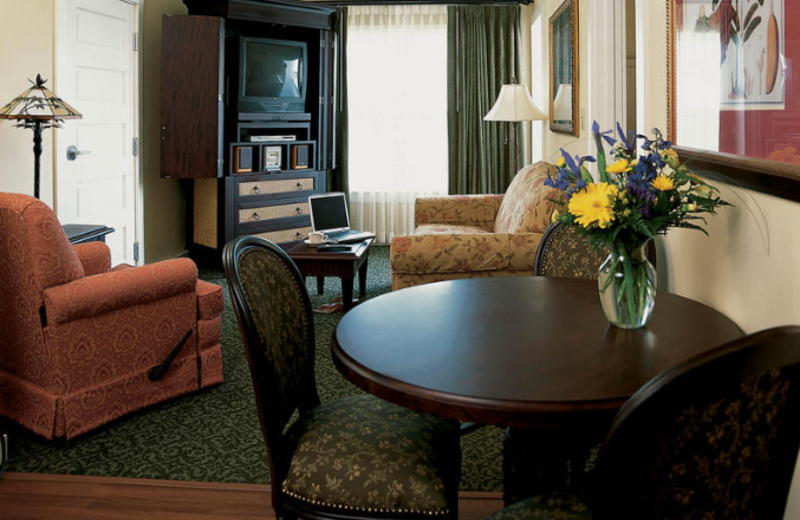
(514, 103)
(562, 104)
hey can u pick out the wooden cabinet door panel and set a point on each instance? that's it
(192, 72)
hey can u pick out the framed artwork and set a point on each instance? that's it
(734, 90)
(564, 69)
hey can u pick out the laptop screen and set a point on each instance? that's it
(328, 212)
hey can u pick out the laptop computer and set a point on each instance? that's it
(329, 215)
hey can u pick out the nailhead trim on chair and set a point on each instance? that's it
(367, 509)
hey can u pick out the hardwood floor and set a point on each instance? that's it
(65, 497)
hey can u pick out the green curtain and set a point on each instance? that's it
(338, 175)
(482, 57)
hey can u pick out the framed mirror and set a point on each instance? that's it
(564, 69)
(734, 98)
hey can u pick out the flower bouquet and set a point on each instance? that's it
(638, 196)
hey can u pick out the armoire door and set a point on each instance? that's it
(192, 96)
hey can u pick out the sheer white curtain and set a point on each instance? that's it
(397, 81)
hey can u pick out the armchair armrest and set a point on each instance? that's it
(108, 292)
(95, 257)
(475, 210)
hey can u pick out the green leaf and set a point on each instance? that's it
(586, 176)
(749, 31)
(749, 15)
(601, 159)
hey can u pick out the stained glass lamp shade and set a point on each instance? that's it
(38, 108)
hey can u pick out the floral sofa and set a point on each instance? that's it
(474, 236)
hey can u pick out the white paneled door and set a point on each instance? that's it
(96, 73)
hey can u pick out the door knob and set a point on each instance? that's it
(73, 152)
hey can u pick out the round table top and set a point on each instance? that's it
(518, 351)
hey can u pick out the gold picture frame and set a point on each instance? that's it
(564, 80)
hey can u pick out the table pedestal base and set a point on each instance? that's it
(544, 460)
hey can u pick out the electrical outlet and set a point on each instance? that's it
(583, 118)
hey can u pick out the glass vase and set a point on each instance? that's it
(627, 284)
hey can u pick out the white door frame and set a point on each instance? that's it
(59, 35)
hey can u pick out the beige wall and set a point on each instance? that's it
(26, 49)
(552, 140)
(164, 202)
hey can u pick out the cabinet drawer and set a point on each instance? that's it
(270, 212)
(286, 235)
(267, 187)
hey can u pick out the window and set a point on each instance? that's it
(397, 83)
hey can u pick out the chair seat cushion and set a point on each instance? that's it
(557, 506)
(448, 229)
(362, 454)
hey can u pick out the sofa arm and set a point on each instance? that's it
(456, 253)
(476, 210)
(95, 257)
(108, 292)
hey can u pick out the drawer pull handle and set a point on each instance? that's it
(299, 210)
(256, 190)
(298, 236)
(299, 186)
(255, 216)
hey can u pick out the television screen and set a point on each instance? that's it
(273, 70)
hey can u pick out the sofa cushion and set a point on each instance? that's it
(448, 229)
(528, 204)
(360, 454)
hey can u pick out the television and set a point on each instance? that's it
(272, 75)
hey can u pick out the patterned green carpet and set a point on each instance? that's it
(214, 435)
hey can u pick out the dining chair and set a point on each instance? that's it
(715, 437)
(356, 457)
(564, 254)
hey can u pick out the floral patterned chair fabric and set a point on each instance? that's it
(79, 338)
(360, 457)
(564, 254)
(472, 236)
(715, 437)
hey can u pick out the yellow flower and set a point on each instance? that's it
(663, 183)
(618, 167)
(669, 152)
(554, 217)
(634, 163)
(561, 162)
(696, 179)
(594, 204)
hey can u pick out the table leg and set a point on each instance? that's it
(347, 294)
(320, 285)
(545, 460)
(362, 279)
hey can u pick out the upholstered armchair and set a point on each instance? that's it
(472, 236)
(82, 344)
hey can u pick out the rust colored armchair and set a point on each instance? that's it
(82, 344)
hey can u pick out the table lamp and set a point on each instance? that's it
(562, 104)
(514, 104)
(38, 109)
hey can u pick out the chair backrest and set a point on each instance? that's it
(715, 437)
(528, 204)
(277, 326)
(34, 254)
(564, 254)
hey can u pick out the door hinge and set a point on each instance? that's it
(136, 147)
(322, 43)
(321, 100)
(136, 252)
(136, 41)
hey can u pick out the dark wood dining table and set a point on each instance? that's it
(534, 354)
